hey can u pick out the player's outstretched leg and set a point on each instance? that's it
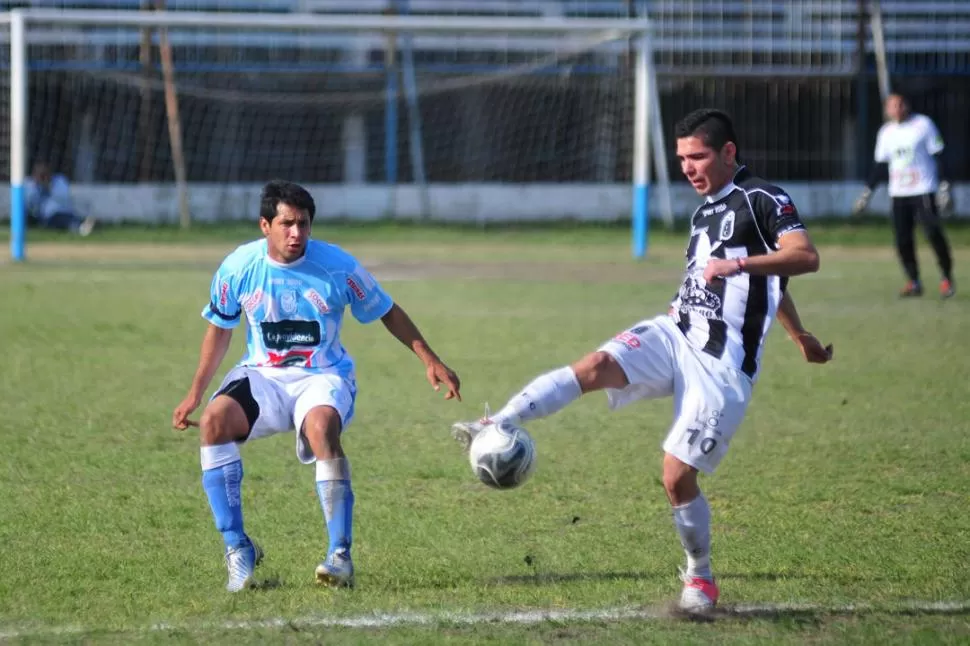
(321, 427)
(549, 393)
(692, 518)
(543, 396)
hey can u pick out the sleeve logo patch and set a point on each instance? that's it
(355, 288)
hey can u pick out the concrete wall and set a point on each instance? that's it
(152, 203)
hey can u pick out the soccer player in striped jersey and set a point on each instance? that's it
(746, 240)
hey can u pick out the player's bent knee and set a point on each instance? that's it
(321, 427)
(599, 370)
(223, 421)
(679, 480)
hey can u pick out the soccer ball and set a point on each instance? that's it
(503, 456)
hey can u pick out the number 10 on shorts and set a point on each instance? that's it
(707, 444)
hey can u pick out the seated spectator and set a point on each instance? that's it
(49, 203)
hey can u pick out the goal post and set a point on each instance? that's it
(514, 117)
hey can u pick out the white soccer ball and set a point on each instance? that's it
(502, 455)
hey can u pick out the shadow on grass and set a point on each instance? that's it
(546, 578)
(808, 614)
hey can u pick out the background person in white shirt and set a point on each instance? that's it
(49, 202)
(909, 152)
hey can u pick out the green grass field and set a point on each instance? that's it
(841, 511)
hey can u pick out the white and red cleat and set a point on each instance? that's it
(699, 594)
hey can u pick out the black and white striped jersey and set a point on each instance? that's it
(730, 318)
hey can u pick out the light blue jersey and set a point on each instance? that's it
(295, 311)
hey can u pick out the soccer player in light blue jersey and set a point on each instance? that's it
(295, 375)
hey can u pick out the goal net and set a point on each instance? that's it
(449, 118)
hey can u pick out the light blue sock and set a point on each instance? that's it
(222, 486)
(337, 501)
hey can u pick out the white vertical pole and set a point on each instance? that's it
(18, 134)
(641, 147)
(659, 144)
(390, 123)
(879, 44)
(354, 134)
(416, 148)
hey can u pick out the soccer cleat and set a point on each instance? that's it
(912, 289)
(465, 432)
(698, 594)
(337, 571)
(241, 562)
(946, 288)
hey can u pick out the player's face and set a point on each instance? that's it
(896, 108)
(707, 170)
(287, 234)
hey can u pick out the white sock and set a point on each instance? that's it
(336, 469)
(693, 522)
(545, 395)
(218, 455)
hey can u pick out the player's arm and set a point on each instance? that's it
(877, 175)
(796, 255)
(778, 220)
(944, 199)
(215, 344)
(811, 347)
(400, 325)
(223, 313)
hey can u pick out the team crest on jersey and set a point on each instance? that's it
(694, 297)
(288, 301)
(727, 226)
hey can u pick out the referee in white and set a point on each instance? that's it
(909, 150)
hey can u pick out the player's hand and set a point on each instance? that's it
(862, 202)
(812, 349)
(944, 199)
(719, 268)
(180, 418)
(438, 373)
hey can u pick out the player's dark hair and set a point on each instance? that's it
(711, 126)
(278, 191)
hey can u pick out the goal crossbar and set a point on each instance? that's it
(333, 22)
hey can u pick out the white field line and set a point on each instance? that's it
(523, 617)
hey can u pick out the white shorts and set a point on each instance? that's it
(284, 396)
(710, 397)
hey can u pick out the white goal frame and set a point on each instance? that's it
(646, 120)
